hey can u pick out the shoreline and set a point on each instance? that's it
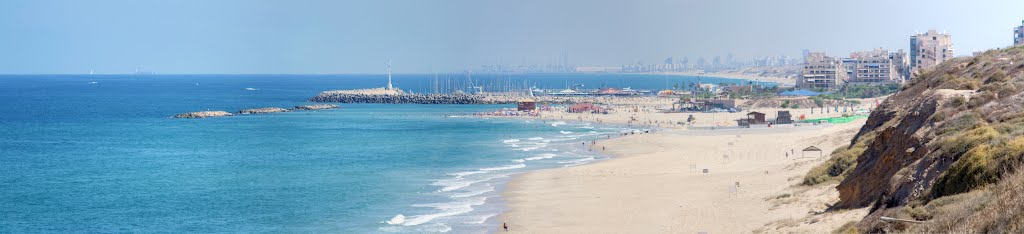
(637, 189)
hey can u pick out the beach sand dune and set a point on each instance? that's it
(656, 184)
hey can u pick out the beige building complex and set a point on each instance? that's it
(929, 49)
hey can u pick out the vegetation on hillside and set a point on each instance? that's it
(946, 149)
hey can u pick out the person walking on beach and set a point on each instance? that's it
(504, 225)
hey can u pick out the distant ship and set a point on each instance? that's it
(251, 89)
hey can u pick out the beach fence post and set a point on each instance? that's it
(725, 158)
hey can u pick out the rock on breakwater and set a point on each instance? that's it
(202, 114)
(262, 110)
(316, 107)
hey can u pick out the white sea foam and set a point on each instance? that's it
(398, 219)
(510, 141)
(481, 219)
(460, 206)
(502, 168)
(555, 124)
(535, 138)
(514, 145)
(474, 192)
(466, 173)
(531, 148)
(541, 156)
(457, 183)
(565, 132)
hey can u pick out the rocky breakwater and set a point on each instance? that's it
(316, 107)
(202, 114)
(262, 110)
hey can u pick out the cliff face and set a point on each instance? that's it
(953, 130)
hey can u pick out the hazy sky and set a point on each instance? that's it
(313, 36)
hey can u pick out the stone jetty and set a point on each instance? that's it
(202, 114)
(262, 110)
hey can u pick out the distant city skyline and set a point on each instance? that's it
(329, 37)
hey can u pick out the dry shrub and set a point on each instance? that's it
(956, 145)
(973, 170)
(981, 99)
(995, 209)
(959, 122)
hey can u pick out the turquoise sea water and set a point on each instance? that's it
(98, 154)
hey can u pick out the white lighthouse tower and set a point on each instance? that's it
(389, 76)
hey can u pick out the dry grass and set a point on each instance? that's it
(994, 209)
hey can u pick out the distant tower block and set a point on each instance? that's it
(389, 76)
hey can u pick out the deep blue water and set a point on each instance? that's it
(78, 156)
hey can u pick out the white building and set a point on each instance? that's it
(929, 49)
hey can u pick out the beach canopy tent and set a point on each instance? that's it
(800, 92)
(811, 149)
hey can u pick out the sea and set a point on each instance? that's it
(99, 153)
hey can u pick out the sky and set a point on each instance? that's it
(421, 36)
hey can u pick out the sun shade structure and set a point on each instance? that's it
(810, 149)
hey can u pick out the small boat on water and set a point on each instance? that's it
(251, 89)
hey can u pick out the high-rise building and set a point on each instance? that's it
(821, 72)
(929, 49)
(1018, 34)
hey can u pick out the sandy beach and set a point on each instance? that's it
(655, 183)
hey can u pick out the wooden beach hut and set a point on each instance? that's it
(752, 118)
